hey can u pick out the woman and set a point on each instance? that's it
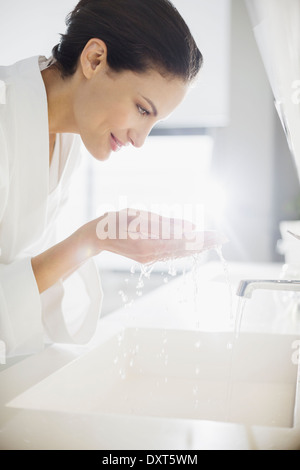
(122, 66)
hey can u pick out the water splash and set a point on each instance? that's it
(123, 296)
(146, 271)
(172, 271)
(231, 346)
(225, 265)
(197, 261)
(133, 269)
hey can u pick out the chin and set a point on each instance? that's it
(101, 155)
(102, 158)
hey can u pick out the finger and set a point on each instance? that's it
(201, 242)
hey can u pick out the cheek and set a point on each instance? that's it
(101, 112)
(119, 116)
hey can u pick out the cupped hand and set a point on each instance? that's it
(146, 237)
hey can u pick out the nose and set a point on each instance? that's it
(138, 136)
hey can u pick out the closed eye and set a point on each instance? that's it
(143, 111)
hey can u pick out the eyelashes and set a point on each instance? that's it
(143, 111)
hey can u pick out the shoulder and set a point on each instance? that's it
(22, 92)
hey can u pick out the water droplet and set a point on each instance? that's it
(123, 296)
(116, 360)
(195, 276)
(140, 284)
(229, 346)
(146, 270)
(198, 344)
(172, 270)
(133, 269)
(120, 338)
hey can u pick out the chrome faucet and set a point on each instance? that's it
(246, 287)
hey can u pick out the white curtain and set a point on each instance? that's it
(277, 30)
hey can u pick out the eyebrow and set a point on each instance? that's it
(152, 105)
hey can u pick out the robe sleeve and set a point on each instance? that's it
(21, 330)
(28, 319)
(71, 308)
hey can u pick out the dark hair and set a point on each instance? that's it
(139, 35)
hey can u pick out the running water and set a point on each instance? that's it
(239, 317)
(144, 273)
(232, 346)
(197, 263)
(235, 320)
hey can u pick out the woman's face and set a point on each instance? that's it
(112, 109)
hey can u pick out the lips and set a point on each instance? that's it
(116, 144)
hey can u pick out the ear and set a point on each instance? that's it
(93, 56)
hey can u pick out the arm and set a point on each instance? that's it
(132, 236)
(60, 261)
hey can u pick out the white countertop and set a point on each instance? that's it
(173, 306)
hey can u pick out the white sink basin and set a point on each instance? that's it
(178, 375)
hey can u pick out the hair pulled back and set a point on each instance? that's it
(139, 35)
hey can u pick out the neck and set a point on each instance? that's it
(59, 98)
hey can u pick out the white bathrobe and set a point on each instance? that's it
(28, 212)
